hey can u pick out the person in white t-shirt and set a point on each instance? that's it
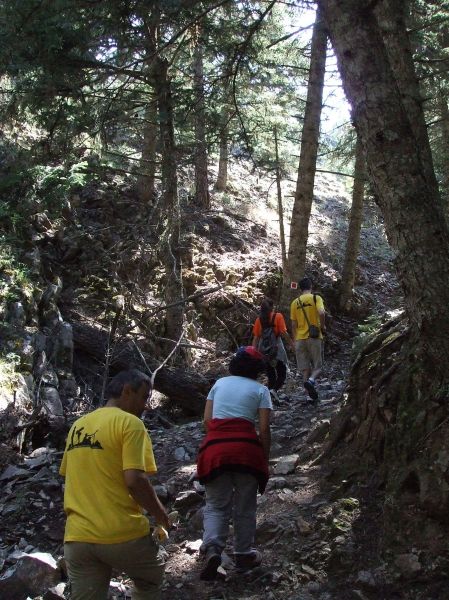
(233, 460)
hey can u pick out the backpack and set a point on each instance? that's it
(268, 343)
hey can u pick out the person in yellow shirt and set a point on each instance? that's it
(308, 326)
(106, 463)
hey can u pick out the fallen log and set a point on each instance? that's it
(187, 389)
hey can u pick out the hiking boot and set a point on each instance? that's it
(311, 390)
(246, 562)
(212, 562)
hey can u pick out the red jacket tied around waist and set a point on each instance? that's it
(232, 445)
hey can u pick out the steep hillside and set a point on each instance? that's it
(103, 248)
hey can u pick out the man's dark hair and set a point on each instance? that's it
(245, 365)
(305, 284)
(134, 378)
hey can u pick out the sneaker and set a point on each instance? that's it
(245, 562)
(275, 398)
(212, 562)
(311, 390)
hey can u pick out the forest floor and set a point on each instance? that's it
(318, 535)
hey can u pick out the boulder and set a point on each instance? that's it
(64, 347)
(51, 401)
(408, 565)
(22, 397)
(181, 454)
(50, 295)
(17, 314)
(318, 434)
(187, 499)
(31, 576)
(51, 317)
(68, 389)
(196, 520)
(267, 530)
(286, 465)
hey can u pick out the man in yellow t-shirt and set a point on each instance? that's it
(107, 458)
(307, 311)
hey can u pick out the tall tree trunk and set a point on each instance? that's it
(222, 177)
(444, 128)
(201, 175)
(409, 407)
(169, 210)
(391, 16)
(400, 171)
(299, 228)
(170, 203)
(355, 224)
(148, 161)
(280, 207)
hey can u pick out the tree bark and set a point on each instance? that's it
(444, 128)
(280, 207)
(299, 228)
(222, 177)
(170, 203)
(399, 170)
(148, 161)
(355, 224)
(201, 175)
(391, 18)
(405, 414)
(188, 390)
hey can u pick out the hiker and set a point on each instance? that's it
(308, 326)
(106, 488)
(268, 330)
(233, 460)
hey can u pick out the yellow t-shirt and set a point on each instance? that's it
(297, 314)
(99, 508)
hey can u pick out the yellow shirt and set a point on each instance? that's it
(297, 314)
(99, 508)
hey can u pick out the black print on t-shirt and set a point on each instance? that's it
(84, 440)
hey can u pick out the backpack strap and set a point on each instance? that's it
(304, 311)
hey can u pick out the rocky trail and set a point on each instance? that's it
(290, 513)
(315, 541)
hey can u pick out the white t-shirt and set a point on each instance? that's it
(240, 397)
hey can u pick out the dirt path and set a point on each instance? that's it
(287, 532)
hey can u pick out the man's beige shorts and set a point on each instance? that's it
(308, 354)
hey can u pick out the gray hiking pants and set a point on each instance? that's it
(231, 494)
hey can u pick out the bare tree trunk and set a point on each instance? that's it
(391, 16)
(182, 386)
(444, 128)
(201, 175)
(355, 224)
(407, 412)
(400, 171)
(170, 204)
(222, 177)
(280, 207)
(148, 161)
(299, 228)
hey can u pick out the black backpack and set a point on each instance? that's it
(268, 344)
